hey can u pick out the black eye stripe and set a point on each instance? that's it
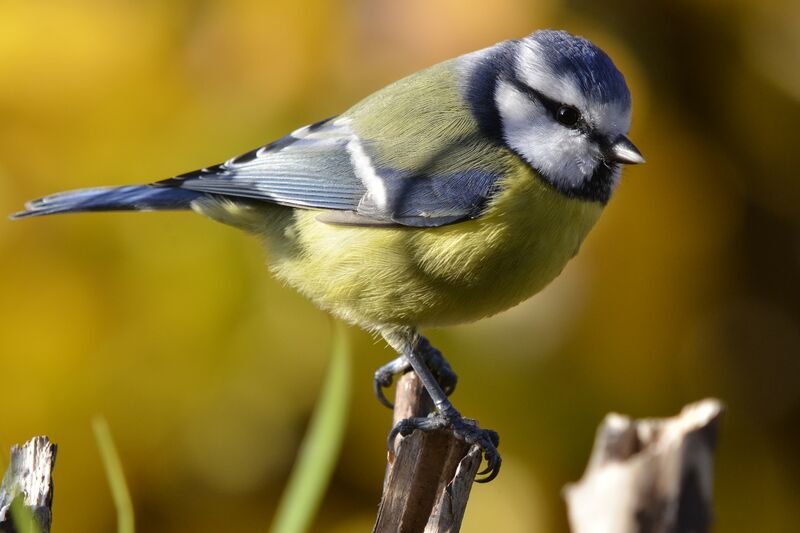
(551, 105)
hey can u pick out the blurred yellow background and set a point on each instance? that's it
(207, 369)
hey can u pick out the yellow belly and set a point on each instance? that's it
(374, 276)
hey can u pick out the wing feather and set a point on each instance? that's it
(310, 168)
(328, 166)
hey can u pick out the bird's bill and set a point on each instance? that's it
(624, 151)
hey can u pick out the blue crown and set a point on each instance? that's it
(592, 69)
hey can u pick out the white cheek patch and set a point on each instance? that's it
(565, 156)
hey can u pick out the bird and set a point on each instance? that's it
(445, 197)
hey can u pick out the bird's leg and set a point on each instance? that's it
(434, 360)
(406, 341)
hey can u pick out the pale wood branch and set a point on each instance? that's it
(29, 478)
(649, 476)
(428, 482)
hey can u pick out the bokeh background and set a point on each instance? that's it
(207, 369)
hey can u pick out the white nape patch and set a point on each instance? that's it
(362, 166)
(565, 156)
(611, 119)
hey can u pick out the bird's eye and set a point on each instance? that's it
(567, 115)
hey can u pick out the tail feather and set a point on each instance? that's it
(127, 198)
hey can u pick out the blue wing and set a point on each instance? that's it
(309, 168)
(327, 166)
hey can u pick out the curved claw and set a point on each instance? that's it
(493, 461)
(467, 430)
(405, 428)
(384, 377)
(492, 468)
(393, 436)
(489, 441)
(377, 389)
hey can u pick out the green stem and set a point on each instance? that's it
(115, 475)
(321, 445)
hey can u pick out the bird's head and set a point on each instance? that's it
(559, 103)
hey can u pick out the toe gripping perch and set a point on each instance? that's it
(439, 381)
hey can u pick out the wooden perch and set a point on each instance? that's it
(427, 483)
(649, 476)
(29, 479)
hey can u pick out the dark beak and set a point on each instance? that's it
(623, 151)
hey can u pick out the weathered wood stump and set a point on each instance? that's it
(428, 482)
(29, 481)
(650, 475)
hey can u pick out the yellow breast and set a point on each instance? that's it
(373, 276)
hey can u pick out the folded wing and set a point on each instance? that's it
(327, 166)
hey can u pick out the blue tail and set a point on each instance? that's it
(128, 198)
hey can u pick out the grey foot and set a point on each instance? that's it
(464, 429)
(434, 360)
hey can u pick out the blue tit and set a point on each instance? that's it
(448, 196)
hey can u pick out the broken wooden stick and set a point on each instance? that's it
(650, 475)
(428, 482)
(28, 480)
